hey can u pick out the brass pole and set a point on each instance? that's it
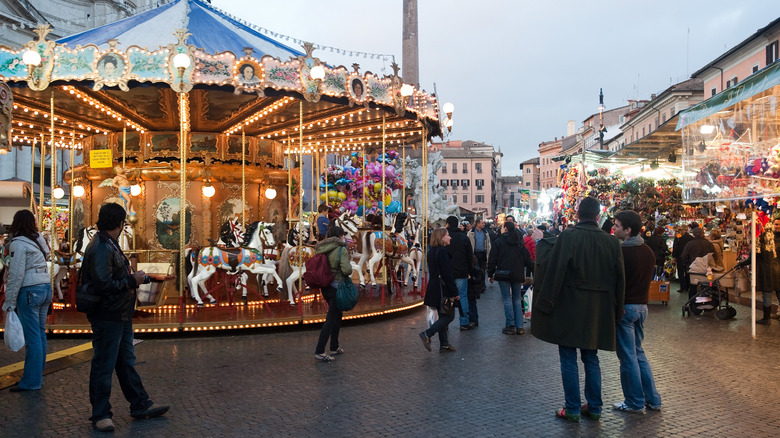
(70, 198)
(314, 200)
(317, 176)
(289, 183)
(32, 176)
(403, 176)
(40, 195)
(124, 146)
(182, 188)
(424, 213)
(243, 179)
(364, 185)
(299, 188)
(383, 201)
(52, 219)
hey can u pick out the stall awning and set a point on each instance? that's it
(659, 143)
(764, 80)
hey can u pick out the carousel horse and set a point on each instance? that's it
(248, 257)
(412, 231)
(395, 246)
(296, 257)
(350, 223)
(63, 261)
(85, 235)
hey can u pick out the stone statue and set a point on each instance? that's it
(439, 207)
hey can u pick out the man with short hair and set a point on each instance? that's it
(682, 237)
(322, 221)
(580, 298)
(461, 255)
(107, 271)
(636, 377)
(698, 247)
(480, 242)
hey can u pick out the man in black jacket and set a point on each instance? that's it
(461, 255)
(699, 246)
(107, 270)
(681, 239)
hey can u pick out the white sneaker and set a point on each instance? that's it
(104, 425)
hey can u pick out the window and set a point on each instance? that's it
(755, 68)
(479, 199)
(465, 199)
(478, 167)
(663, 118)
(731, 82)
(444, 183)
(527, 170)
(454, 183)
(454, 167)
(714, 91)
(444, 169)
(771, 53)
(480, 183)
(622, 119)
(528, 183)
(643, 131)
(465, 167)
(465, 183)
(671, 113)
(454, 199)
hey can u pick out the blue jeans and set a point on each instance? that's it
(571, 379)
(636, 378)
(112, 343)
(440, 326)
(332, 326)
(512, 294)
(767, 298)
(32, 305)
(463, 291)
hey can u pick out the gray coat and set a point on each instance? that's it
(26, 267)
(582, 293)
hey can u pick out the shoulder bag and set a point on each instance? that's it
(346, 294)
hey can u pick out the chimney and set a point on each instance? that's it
(410, 68)
(571, 127)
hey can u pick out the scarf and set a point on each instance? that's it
(633, 241)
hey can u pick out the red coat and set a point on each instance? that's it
(530, 245)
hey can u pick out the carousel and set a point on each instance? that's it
(220, 150)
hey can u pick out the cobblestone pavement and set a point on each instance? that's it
(714, 380)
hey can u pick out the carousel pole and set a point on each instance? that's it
(314, 200)
(424, 236)
(383, 203)
(403, 173)
(32, 175)
(300, 204)
(53, 174)
(289, 184)
(316, 174)
(124, 146)
(753, 274)
(243, 179)
(40, 186)
(364, 185)
(182, 190)
(70, 198)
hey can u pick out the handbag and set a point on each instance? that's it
(87, 300)
(446, 306)
(346, 295)
(14, 335)
(502, 275)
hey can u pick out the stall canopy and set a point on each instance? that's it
(758, 83)
(210, 29)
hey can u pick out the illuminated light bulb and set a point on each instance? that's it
(58, 192)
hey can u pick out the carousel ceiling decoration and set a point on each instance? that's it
(122, 77)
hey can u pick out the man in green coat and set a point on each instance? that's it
(576, 306)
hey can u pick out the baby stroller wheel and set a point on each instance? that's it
(695, 310)
(722, 314)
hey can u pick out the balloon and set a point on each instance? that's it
(388, 199)
(341, 196)
(323, 197)
(332, 194)
(377, 187)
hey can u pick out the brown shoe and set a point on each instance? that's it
(447, 349)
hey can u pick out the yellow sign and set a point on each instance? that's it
(100, 158)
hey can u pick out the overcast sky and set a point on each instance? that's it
(518, 70)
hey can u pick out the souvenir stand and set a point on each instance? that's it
(198, 137)
(731, 153)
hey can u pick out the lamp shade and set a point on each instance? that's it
(31, 57)
(58, 192)
(135, 189)
(208, 190)
(407, 90)
(270, 193)
(78, 191)
(317, 72)
(448, 108)
(181, 60)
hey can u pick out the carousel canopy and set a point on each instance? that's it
(210, 29)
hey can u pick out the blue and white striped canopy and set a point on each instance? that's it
(211, 30)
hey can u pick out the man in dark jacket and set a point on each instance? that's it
(462, 260)
(657, 243)
(107, 270)
(578, 304)
(698, 247)
(681, 239)
(636, 377)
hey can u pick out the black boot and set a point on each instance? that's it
(767, 314)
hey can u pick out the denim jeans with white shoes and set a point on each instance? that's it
(636, 377)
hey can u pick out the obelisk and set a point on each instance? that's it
(410, 66)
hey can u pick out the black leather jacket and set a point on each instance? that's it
(105, 268)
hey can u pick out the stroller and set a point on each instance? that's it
(710, 296)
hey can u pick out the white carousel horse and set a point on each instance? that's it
(412, 230)
(349, 223)
(296, 257)
(396, 247)
(246, 258)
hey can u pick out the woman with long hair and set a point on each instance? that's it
(28, 292)
(440, 285)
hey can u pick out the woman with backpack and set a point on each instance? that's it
(506, 262)
(335, 248)
(28, 292)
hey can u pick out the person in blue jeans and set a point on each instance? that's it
(461, 261)
(28, 293)
(636, 377)
(441, 287)
(509, 257)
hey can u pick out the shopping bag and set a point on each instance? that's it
(528, 298)
(431, 315)
(14, 336)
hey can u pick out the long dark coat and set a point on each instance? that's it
(583, 290)
(439, 266)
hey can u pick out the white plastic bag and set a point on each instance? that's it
(14, 337)
(528, 300)
(432, 314)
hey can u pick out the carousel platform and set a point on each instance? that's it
(232, 313)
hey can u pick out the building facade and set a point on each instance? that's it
(530, 182)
